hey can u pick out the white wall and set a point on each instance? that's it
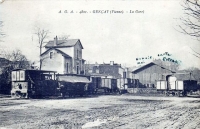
(54, 64)
(77, 62)
(68, 50)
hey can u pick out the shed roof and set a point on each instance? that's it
(148, 65)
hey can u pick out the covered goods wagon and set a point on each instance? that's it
(177, 85)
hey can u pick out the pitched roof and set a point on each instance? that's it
(136, 70)
(89, 66)
(64, 54)
(184, 76)
(63, 43)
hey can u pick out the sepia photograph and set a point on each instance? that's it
(92, 64)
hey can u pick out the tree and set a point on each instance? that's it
(1, 32)
(42, 34)
(14, 59)
(191, 21)
(168, 64)
(195, 72)
(64, 37)
(18, 60)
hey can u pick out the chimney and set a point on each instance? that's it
(55, 41)
(111, 62)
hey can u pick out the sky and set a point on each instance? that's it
(118, 37)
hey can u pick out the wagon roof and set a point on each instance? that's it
(35, 70)
(73, 79)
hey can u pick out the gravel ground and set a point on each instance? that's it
(101, 112)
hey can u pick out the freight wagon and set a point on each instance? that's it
(73, 85)
(125, 83)
(134, 83)
(109, 85)
(33, 83)
(176, 86)
(112, 85)
(41, 83)
(94, 85)
(103, 85)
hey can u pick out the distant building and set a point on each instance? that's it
(91, 68)
(63, 56)
(111, 69)
(150, 73)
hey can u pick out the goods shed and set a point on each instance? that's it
(148, 74)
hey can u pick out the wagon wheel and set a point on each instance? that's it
(177, 94)
(166, 93)
(184, 93)
(191, 92)
(16, 95)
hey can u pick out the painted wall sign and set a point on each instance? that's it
(142, 60)
(166, 56)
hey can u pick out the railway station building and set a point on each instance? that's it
(63, 56)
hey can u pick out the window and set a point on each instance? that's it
(124, 74)
(14, 76)
(22, 75)
(67, 67)
(18, 76)
(77, 53)
(51, 55)
(77, 69)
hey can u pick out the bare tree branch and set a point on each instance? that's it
(195, 55)
(18, 60)
(2, 34)
(42, 34)
(195, 51)
(191, 21)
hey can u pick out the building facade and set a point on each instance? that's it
(63, 56)
(150, 73)
(111, 69)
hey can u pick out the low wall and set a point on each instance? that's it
(142, 90)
